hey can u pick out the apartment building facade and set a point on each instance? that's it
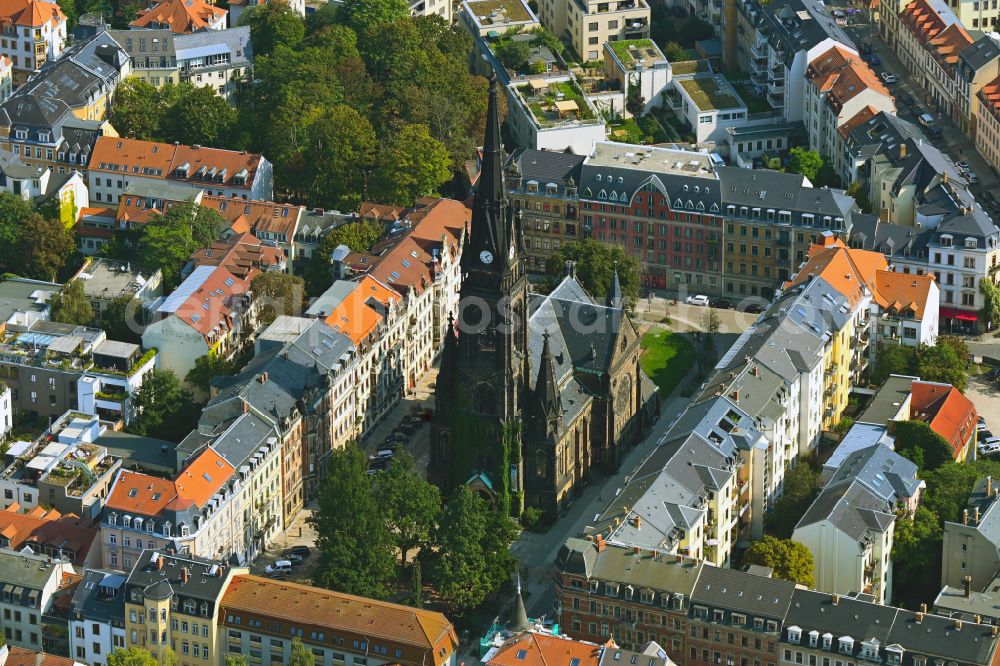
(588, 25)
(977, 65)
(30, 584)
(988, 123)
(173, 601)
(34, 33)
(97, 616)
(117, 163)
(260, 617)
(543, 186)
(970, 548)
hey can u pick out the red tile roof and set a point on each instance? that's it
(135, 492)
(354, 316)
(18, 656)
(149, 159)
(181, 16)
(30, 13)
(245, 256)
(989, 95)
(860, 118)
(948, 412)
(203, 477)
(210, 308)
(47, 528)
(843, 76)
(303, 604)
(531, 649)
(902, 291)
(256, 216)
(846, 269)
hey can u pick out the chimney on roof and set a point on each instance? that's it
(923, 608)
(967, 585)
(902, 150)
(979, 618)
(989, 486)
(958, 625)
(600, 543)
(195, 146)
(835, 599)
(944, 177)
(185, 575)
(920, 617)
(965, 516)
(995, 629)
(159, 561)
(976, 516)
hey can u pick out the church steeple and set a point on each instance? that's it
(615, 299)
(546, 389)
(491, 232)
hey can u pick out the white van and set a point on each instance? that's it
(281, 566)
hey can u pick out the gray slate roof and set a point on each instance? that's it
(743, 592)
(100, 596)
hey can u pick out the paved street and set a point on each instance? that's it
(953, 141)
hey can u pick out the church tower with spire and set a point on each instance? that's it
(475, 432)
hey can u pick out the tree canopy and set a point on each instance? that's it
(893, 360)
(789, 559)
(71, 305)
(804, 161)
(360, 236)
(163, 408)
(278, 294)
(473, 551)
(918, 443)
(947, 360)
(801, 486)
(354, 542)
(595, 266)
(133, 656)
(175, 112)
(411, 504)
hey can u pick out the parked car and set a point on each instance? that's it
(697, 299)
(988, 450)
(906, 99)
(280, 566)
(888, 78)
(982, 419)
(721, 303)
(296, 560)
(873, 60)
(926, 119)
(963, 166)
(984, 435)
(301, 551)
(866, 48)
(971, 177)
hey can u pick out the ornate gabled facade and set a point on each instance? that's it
(533, 390)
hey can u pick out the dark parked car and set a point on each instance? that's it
(906, 99)
(866, 48)
(300, 551)
(721, 303)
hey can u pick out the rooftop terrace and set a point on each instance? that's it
(633, 52)
(690, 67)
(499, 12)
(650, 158)
(554, 102)
(710, 94)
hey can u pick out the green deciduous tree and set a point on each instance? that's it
(513, 53)
(918, 443)
(279, 294)
(991, 302)
(363, 14)
(947, 360)
(134, 110)
(300, 654)
(411, 164)
(801, 486)
(916, 551)
(789, 559)
(163, 408)
(804, 161)
(355, 546)
(133, 656)
(167, 241)
(409, 503)
(635, 103)
(674, 52)
(206, 368)
(198, 117)
(13, 212)
(44, 247)
(272, 25)
(893, 360)
(595, 265)
(473, 551)
(235, 659)
(71, 305)
(341, 151)
(121, 319)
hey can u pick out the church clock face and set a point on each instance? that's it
(486, 257)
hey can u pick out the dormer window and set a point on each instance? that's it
(946, 240)
(43, 137)
(827, 641)
(113, 519)
(971, 243)
(532, 185)
(846, 644)
(794, 634)
(20, 134)
(127, 522)
(813, 638)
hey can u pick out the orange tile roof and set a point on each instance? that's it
(181, 16)
(30, 13)
(532, 649)
(19, 656)
(380, 212)
(989, 95)
(304, 604)
(843, 76)
(902, 291)
(150, 159)
(140, 493)
(944, 408)
(243, 255)
(268, 216)
(846, 269)
(203, 477)
(950, 42)
(860, 118)
(354, 316)
(47, 528)
(209, 308)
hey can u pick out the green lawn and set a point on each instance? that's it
(755, 104)
(667, 358)
(635, 130)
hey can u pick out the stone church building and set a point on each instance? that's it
(534, 391)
